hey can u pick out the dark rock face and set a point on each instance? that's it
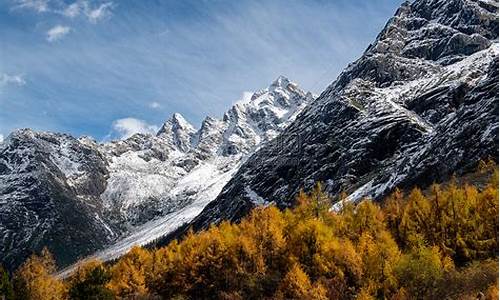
(418, 106)
(50, 186)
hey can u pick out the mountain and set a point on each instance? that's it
(77, 196)
(419, 105)
(48, 184)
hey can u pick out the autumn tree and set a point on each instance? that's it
(34, 279)
(437, 243)
(380, 255)
(420, 271)
(461, 220)
(296, 285)
(128, 275)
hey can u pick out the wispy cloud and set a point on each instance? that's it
(72, 10)
(1, 138)
(101, 12)
(57, 33)
(93, 11)
(154, 105)
(12, 79)
(127, 127)
(36, 5)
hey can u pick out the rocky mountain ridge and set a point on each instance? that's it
(77, 196)
(419, 105)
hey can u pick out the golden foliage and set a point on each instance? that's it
(435, 244)
(128, 275)
(34, 280)
(492, 292)
(401, 251)
(461, 220)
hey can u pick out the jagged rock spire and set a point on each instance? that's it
(179, 131)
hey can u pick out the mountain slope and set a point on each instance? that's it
(419, 105)
(76, 196)
(48, 188)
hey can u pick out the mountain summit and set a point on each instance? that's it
(56, 190)
(178, 131)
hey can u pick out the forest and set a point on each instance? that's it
(436, 243)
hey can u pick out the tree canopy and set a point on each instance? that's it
(440, 243)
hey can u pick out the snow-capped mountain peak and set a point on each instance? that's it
(180, 122)
(263, 115)
(280, 82)
(141, 187)
(178, 131)
(183, 184)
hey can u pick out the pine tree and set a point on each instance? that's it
(6, 288)
(89, 282)
(393, 211)
(320, 201)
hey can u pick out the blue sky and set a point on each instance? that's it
(108, 68)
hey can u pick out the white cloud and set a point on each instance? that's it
(12, 79)
(94, 12)
(154, 105)
(57, 33)
(1, 138)
(72, 10)
(126, 127)
(104, 10)
(37, 5)
(245, 98)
